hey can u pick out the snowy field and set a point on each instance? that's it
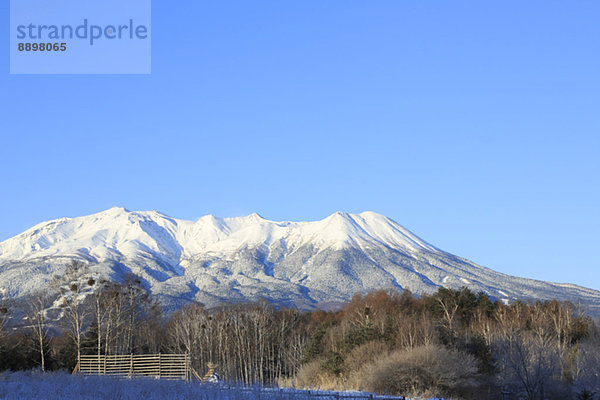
(63, 386)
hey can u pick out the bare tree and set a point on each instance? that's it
(36, 307)
(100, 309)
(586, 368)
(73, 287)
(449, 307)
(528, 362)
(4, 312)
(483, 325)
(137, 302)
(115, 308)
(184, 331)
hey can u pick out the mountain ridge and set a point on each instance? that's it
(301, 264)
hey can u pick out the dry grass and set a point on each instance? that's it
(425, 371)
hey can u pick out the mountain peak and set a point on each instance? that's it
(111, 212)
(340, 214)
(255, 217)
(246, 258)
(118, 209)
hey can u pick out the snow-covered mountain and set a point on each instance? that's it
(302, 264)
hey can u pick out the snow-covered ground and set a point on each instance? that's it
(64, 386)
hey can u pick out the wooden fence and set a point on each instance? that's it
(177, 366)
(167, 366)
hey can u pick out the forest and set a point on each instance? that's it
(452, 343)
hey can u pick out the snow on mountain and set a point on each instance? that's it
(302, 264)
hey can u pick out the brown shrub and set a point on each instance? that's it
(365, 354)
(312, 376)
(427, 370)
(359, 363)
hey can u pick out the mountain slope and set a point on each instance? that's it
(302, 264)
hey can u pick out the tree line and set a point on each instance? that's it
(453, 343)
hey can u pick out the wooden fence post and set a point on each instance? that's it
(186, 367)
(131, 365)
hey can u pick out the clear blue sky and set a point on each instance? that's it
(474, 124)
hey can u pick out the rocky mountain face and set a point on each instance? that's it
(299, 264)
